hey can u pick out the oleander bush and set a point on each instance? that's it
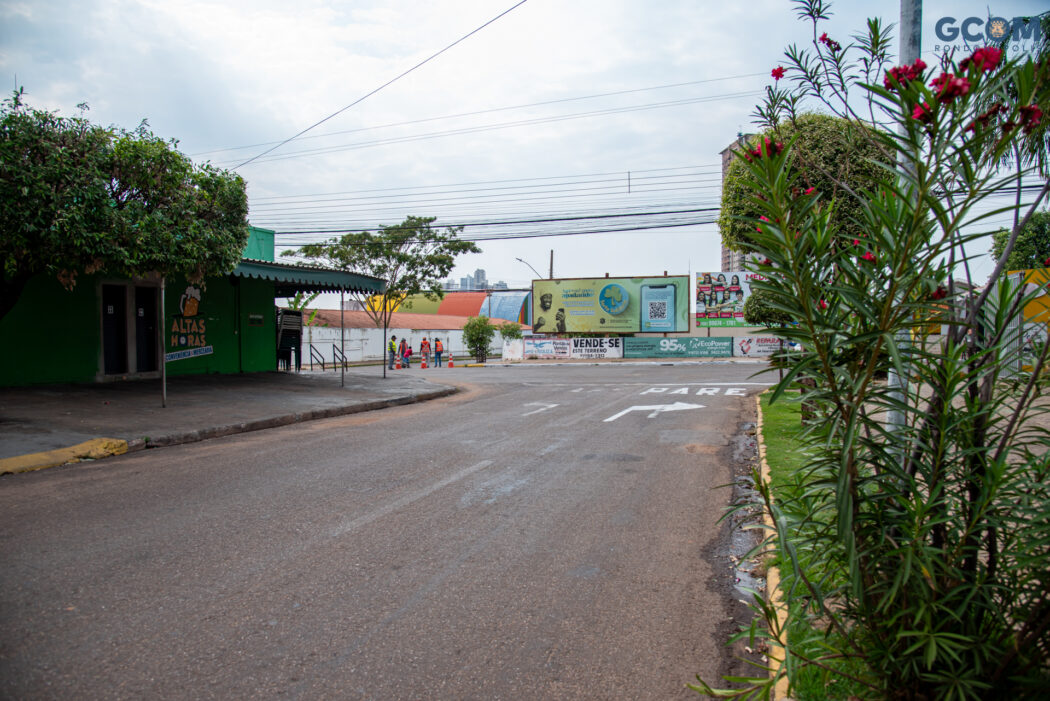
(916, 543)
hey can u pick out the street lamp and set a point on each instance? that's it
(530, 267)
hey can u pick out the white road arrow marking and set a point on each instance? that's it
(543, 407)
(657, 409)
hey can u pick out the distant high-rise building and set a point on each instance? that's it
(466, 283)
(500, 285)
(480, 282)
(732, 260)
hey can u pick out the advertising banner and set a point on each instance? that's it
(720, 298)
(547, 348)
(756, 346)
(620, 305)
(597, 348)
(690, 347)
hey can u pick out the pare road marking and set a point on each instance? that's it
(657, 409)
(703, 391)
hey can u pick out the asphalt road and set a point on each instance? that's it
(549, 533)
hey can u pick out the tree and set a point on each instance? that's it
(411, 258)
(760, 310)
(834, 157)
(509, 330)
(77, 197)
(1032, 248)
(478, 333)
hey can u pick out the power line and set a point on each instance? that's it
(539, 220)
(493, 127)
(489, 111)
(584, 232)
(389, 82)
(488, 182)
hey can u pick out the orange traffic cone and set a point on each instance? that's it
(424, 365)
(450, 364)
(397, 366)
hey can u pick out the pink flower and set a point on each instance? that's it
(939, 293)
(810, 190)
(984, 59)
(949, 87)
(856, 242)
(777, 73)
(902, 75)
(1031, 115)
(822, 304)
(1047, 262)
(832, 45)
(869, 256)
(922, 113)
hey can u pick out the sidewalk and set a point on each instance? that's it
(51, 425)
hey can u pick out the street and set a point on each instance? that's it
(551, 532)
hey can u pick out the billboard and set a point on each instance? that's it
(682, 347)
(617, 304)
(720, 298)
(758, 346)
(547, 348)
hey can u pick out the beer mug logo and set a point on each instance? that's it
(190, 301)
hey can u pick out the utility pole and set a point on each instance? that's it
(911, 48)
(552, 264)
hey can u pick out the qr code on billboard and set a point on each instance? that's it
(657, 310)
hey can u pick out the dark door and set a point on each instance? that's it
(114, 329)
(145, 329)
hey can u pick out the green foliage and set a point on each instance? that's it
(510, 330)
(1032, 248)
(411, 257)
(478, 333)
(836, 157)
(301, 301)
(760, 310)
(77, 197)
(916, 540)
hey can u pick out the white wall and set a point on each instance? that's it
(369, 344)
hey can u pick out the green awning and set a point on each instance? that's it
(290, 279)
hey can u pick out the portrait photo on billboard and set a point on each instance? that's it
(720, 297)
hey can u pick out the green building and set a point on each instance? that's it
(110, 328)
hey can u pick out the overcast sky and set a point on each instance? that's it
(558, 110)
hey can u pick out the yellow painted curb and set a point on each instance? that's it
(776, 652)
(94, 449)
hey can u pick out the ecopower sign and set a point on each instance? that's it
(611, 305)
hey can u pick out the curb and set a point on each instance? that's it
(780, 689)
(99, 448)
(93, 449)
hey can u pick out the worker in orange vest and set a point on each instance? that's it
(424, 349)
(438, 348)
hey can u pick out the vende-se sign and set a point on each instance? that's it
(597, 348)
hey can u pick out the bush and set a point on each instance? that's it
(918, 539)
(478, 333)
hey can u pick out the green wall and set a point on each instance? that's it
(240, 332)
(52, 335)
(260, 244)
